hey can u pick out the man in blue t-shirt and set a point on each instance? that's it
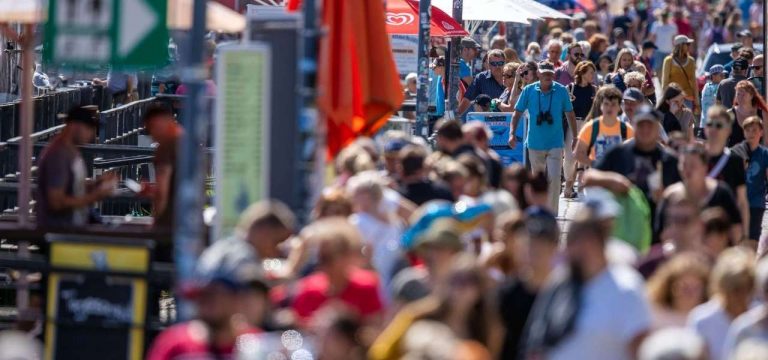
(469, 50)
(756, 157)
(546, 102)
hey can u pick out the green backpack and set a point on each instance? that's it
(633, 225)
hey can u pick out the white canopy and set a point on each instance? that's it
(487, 10)
(218, 17)
(21, 11)
(515, 11)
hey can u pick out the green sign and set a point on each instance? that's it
(242, 132)
(117, 32)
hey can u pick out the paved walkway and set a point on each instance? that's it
(568, 209)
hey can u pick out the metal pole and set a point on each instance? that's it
(422, 98)
(309, 76)
(188, 226)
(25, 155)
(453, 80)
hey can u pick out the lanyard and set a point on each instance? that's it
(715, 172)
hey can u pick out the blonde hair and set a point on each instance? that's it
(622, 53)
(366, 182)
(634, 76)
(354, 159)
(335, 232)
(733, 271)
(661, 283)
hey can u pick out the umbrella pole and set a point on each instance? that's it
(25, 157)
(453, 79)
(422, 98)
(188, 226)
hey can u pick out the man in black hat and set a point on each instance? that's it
(727, 90)
(735, 49)
(63, 195)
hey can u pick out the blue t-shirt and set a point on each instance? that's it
(756, 173)
(544, 136)
(464, 69)
(436, 93)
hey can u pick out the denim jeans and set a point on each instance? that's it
(551, 162)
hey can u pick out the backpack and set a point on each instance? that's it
(632, 225)
(596, 132)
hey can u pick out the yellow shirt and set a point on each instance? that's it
(607, 137)
(684, 75)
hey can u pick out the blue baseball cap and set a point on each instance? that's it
(716, 69)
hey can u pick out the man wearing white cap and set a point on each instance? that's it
(680, 68)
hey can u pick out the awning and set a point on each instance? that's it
(403, 19)
(21, 11)
(218, 17)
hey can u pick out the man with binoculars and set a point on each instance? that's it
(546, 101)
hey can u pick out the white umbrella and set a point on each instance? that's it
(218, 17)
(21, 11)
(514, 11)
(487, 10)
(541, 10)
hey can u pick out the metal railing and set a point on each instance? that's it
(47, 107)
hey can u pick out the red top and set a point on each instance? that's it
(188, 341)
(684, 27)
(361, 294)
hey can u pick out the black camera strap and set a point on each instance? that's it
(549, 108)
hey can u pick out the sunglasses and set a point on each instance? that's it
(716, 125)
(497, 63)
(755, 67)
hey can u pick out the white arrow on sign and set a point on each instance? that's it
(136, 21)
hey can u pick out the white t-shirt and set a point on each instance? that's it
(613, 312)
(384, 240)
(665, 35)
(748, 326)
(711, 322)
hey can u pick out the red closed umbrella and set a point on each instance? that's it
(403, 19)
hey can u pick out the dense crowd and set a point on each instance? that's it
(437, 249)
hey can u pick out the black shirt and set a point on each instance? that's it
(733, 173)
(637, 165)
(622, 22)
(721, 197)
(671, 123)
(737, 133)
(583, 97)
(424, 191)
(515, 303)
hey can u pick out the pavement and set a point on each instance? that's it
(567, 211)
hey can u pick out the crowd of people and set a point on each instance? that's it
(437, 249)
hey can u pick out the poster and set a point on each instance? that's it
(406, 51)
(242, 132)
(499, 124)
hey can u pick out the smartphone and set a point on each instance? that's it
(132, 185)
